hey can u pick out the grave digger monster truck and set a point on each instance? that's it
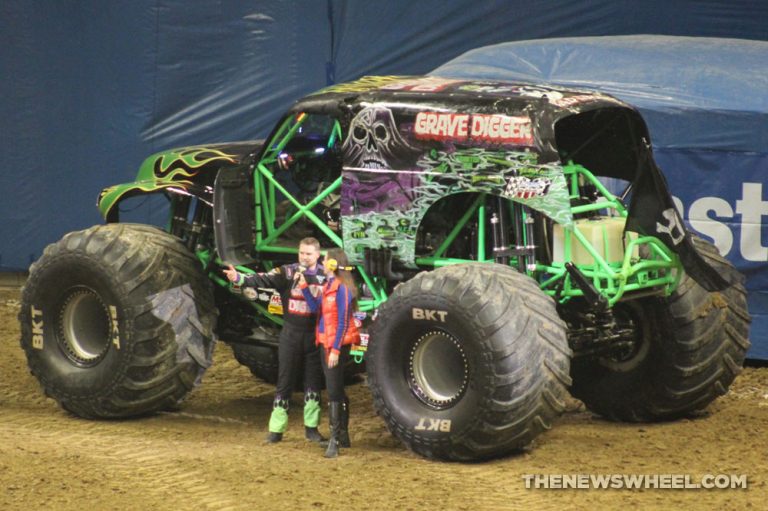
(496, 270)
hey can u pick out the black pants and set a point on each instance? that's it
(334, 376)
(297, 349)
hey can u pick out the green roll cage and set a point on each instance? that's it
(658, 268)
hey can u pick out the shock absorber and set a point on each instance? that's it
(180, 209)
(524, 249)
(499, 232)
(525, 246)
(196, 228)
(530, 239)
(206, 229)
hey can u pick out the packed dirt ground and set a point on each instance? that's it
(210, 455)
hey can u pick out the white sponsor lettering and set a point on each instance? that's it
(635, 481)
(494, 128)
(501, 128)
(441, 126)
(429, 314)
(714, 216)
(429, 424)
(37, 328)
(716, 230)
(673, 227)
(115, 327)
(752, 208)
(298, 307)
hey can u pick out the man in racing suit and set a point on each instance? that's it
(297, 338)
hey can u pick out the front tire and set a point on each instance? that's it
(468, 362)
(117, 321)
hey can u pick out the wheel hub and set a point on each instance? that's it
(631, 319)
(84, 327)
(438, 369)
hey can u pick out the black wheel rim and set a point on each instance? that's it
(84, 326)
(438, 371)
(631, 316)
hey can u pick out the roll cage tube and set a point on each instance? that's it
(267, 189)
(611, 279)
(656, 268)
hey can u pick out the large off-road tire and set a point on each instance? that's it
(117, 321)
(263, 364)
(690, 347)
(468, 362)
(261, 360)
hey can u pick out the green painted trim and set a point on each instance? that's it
(257, 184)
(613, 280)
(335, 134)
(268, 212)
(303, 210)
(481, 230)
(377, 287)
(439, 262)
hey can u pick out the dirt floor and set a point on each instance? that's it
(210, 455)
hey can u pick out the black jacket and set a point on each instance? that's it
(296, 312)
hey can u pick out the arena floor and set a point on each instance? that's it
(210, 454)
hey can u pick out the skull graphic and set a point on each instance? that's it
(374, 142)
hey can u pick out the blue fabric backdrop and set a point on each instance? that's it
(89, 88)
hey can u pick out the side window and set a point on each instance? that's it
(312, 155)
(304, 157)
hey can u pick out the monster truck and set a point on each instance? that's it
(497, 268)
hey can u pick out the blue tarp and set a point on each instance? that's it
(89, 88)
(705, 101)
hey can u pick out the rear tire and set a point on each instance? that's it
(117, 321)
(692, 346)
(468, 362)
(261, 360)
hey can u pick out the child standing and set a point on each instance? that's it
(335, 332)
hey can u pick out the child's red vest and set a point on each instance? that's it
(330, 316)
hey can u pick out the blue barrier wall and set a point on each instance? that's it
(89, 88)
